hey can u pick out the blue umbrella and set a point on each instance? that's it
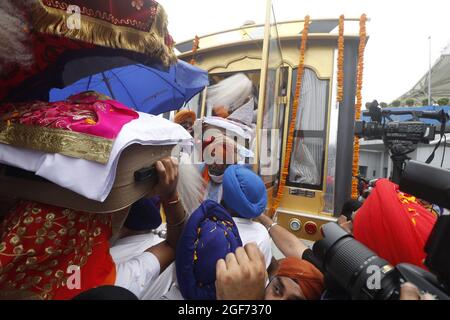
(141, 87)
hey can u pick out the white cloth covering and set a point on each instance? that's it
(244, 114)
(237, 128)
(139, 271)
(88, 178)
(233, 128)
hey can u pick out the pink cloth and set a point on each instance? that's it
(84, 113)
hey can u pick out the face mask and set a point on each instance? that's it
(216, 179)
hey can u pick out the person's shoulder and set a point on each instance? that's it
(249, 224)
(259, 226)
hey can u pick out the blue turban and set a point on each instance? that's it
(144, 215)
(209, 235)
(244, 192)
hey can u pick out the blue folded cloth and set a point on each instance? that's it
(209, 235)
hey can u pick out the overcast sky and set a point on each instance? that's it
(397, 52)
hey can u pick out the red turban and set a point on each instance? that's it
(308, 277)
(394, 225)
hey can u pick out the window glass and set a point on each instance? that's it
(307, 159)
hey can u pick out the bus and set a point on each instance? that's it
(319, 175)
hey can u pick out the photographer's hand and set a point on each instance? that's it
(242, 275)
(408, 291)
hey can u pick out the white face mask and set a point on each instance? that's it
(216, 179)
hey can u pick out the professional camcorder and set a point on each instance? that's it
(401, 138)
(363, 274)
(396, 131)
(414, 131)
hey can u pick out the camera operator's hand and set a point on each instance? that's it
(347, 226)
(408, 291)
(242, 275)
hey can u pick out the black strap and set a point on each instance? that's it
(442, 133)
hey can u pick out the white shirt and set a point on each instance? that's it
(251, 231)
(139, 271)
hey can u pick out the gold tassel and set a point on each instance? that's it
(53, 21)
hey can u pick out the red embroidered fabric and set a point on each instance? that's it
(54, 252)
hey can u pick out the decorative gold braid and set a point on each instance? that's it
(359, 83)
(295, 106)
(69, 143)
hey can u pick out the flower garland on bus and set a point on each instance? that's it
(195, 48)
(359, 81)
(340, 62)
(295, 105)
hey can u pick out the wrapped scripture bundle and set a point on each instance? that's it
(115, 143)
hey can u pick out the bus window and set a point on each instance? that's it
(223, 97)
(195, 104)
(308, 153)
(272, 126)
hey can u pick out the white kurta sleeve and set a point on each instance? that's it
(138, 273)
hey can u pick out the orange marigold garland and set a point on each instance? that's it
(359, 81)
(195, 48)
(340, 63)
(295, 105)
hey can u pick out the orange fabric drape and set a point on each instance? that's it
(359, 82)
(340, 64)
(290, 139)
(195, 47)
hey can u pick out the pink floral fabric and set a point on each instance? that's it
(87, 112)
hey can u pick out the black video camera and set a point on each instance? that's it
(353, 266)
(401, 138)
(413, 131)
(416, 132)
(433, 185)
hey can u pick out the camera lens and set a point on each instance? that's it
(354, 267)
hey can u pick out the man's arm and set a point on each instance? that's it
(175, 216)
(288, 244)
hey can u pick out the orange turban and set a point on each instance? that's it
(308, 277)
(183, 115)
(221, 111)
